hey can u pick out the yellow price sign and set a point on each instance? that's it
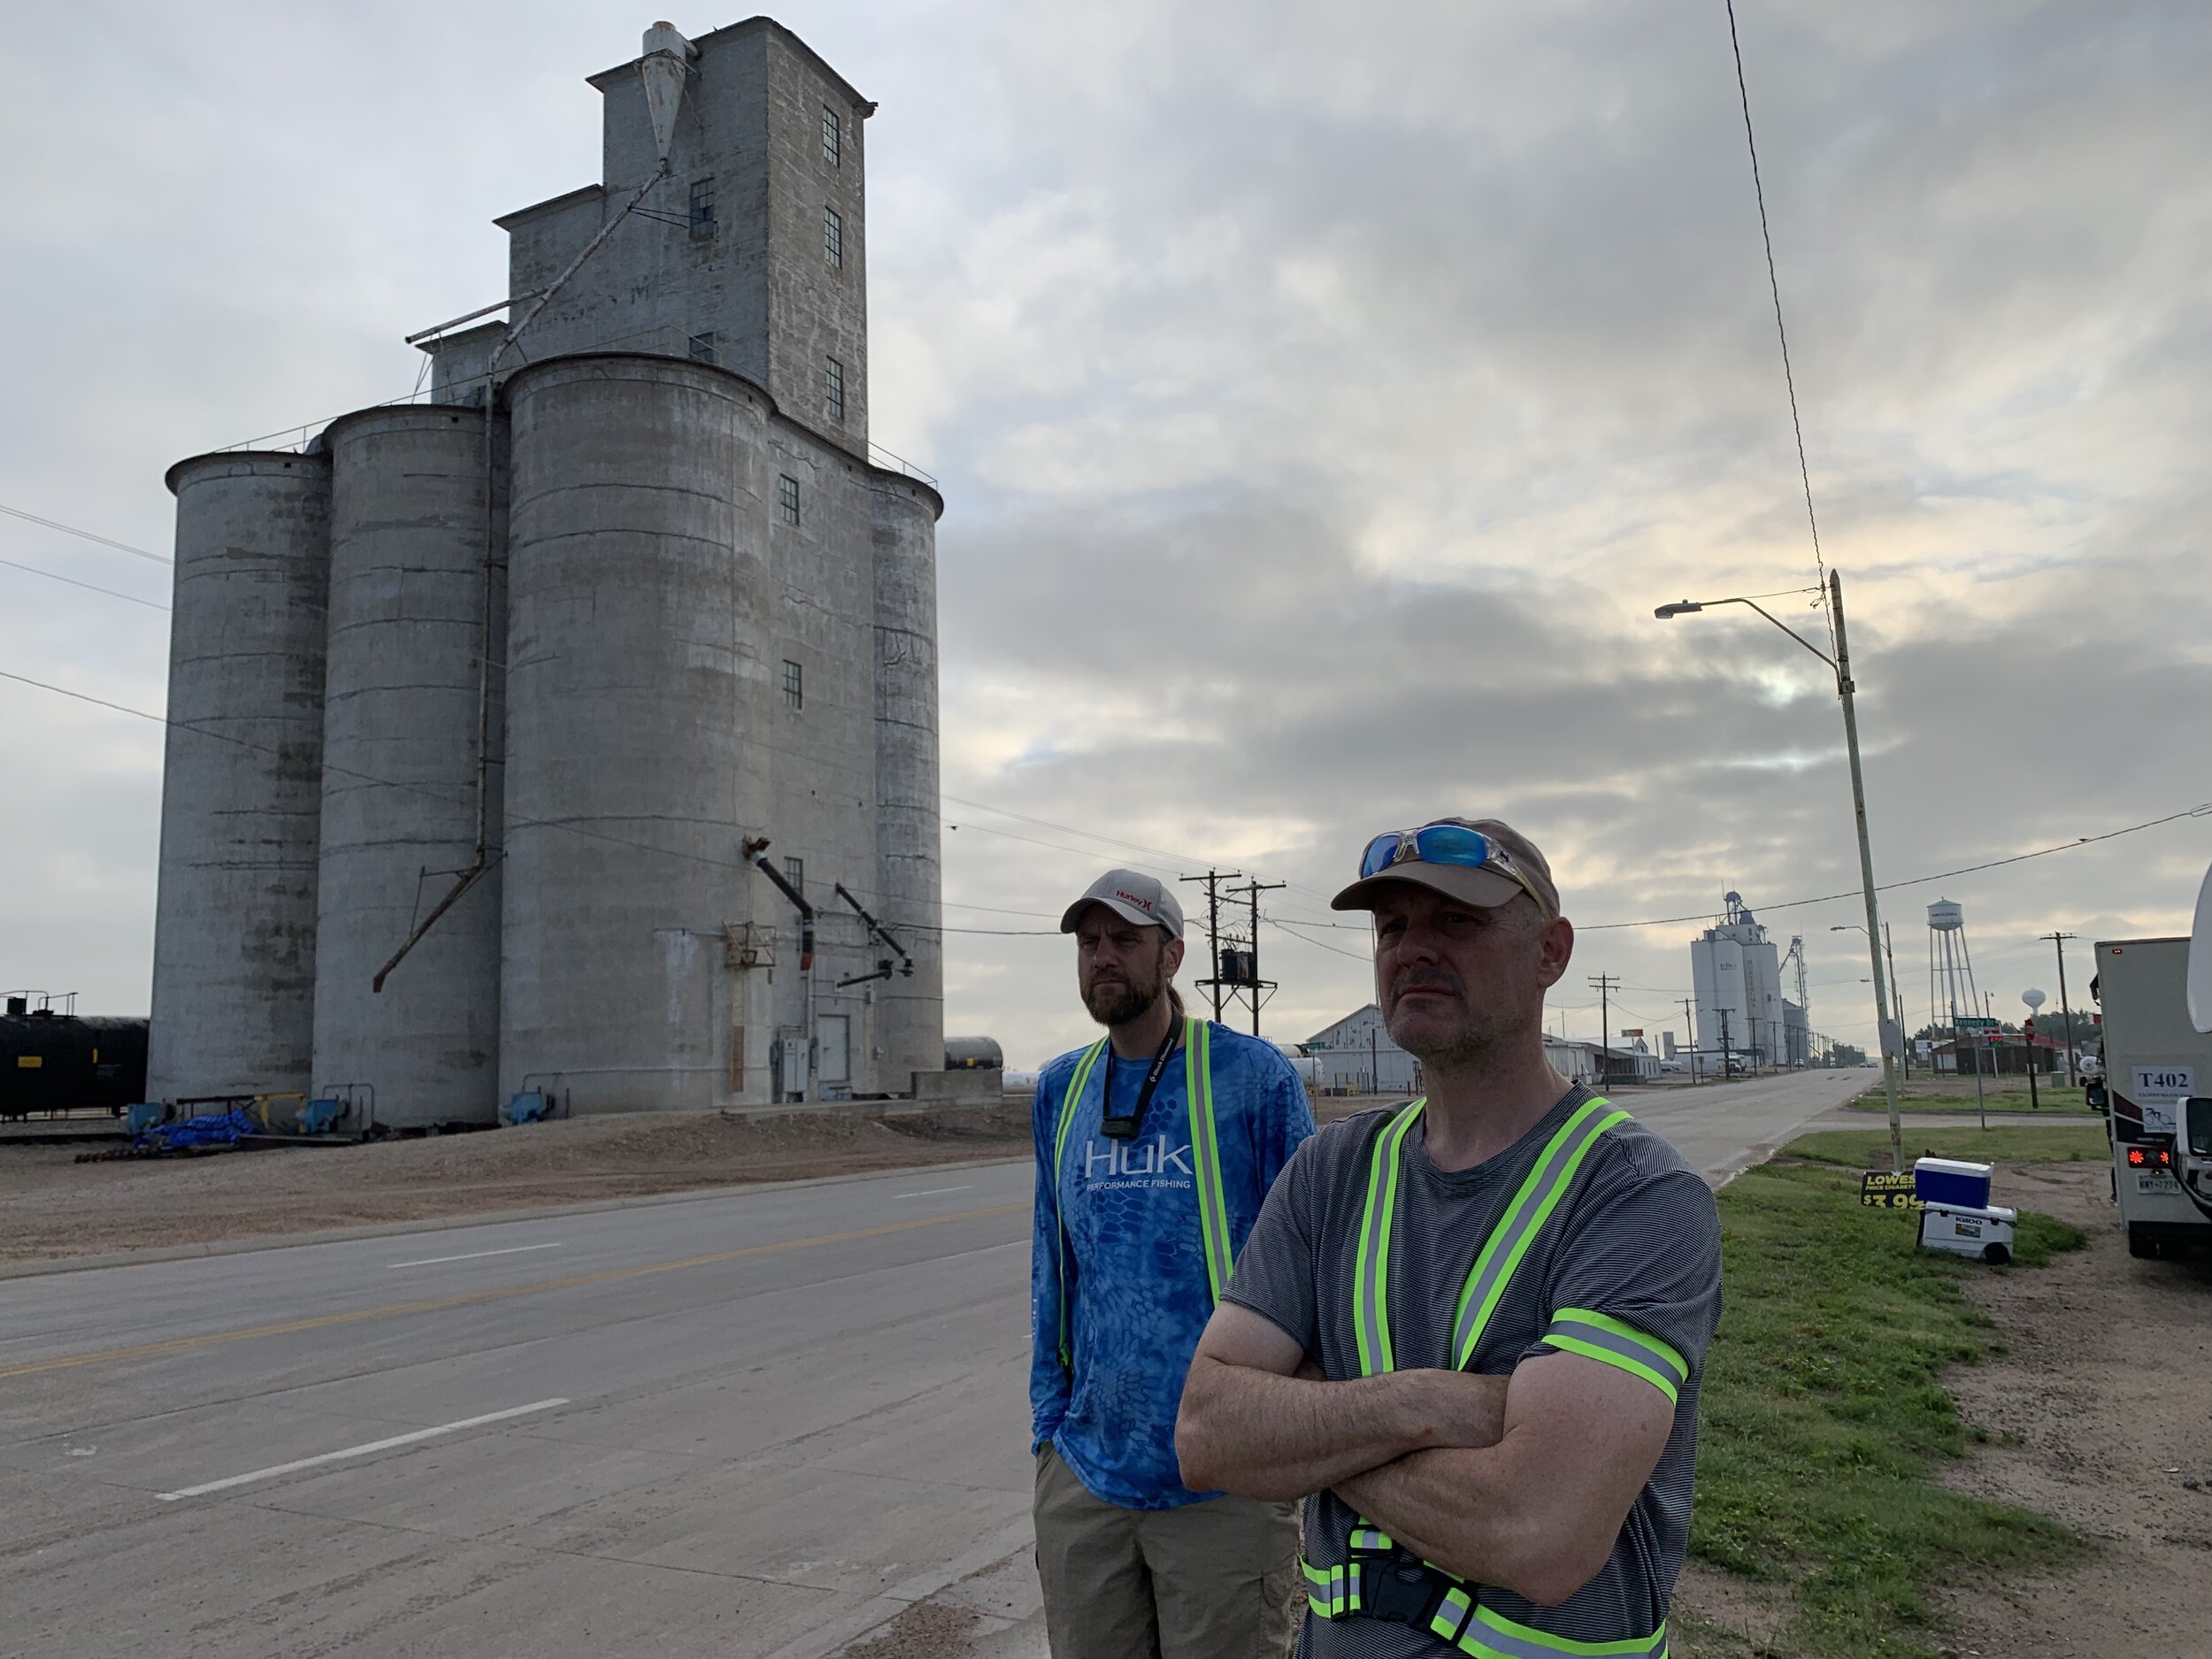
(1887, 1189)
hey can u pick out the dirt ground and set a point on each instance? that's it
(2099, 1415)
(2102, 1412)
(52, 1206)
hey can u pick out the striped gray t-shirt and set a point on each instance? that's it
(1636, 1240)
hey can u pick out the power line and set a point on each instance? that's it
(1774, 286)
(70, 529)
(1292, 928)
(432, 795)
(91, 587)
(2201, 809)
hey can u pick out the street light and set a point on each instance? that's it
(1891, 1037)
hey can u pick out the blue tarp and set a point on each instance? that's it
(218, 1129)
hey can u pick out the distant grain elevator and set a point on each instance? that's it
(493, 696)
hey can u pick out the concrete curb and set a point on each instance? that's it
(44, 1266)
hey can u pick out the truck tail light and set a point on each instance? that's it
(2150, 1158)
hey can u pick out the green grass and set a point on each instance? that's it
(2052, 1100)
(2015, 1143)
(1824, 1422)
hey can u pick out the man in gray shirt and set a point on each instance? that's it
(1475, 1325)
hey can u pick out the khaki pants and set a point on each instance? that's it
(1212, 1580)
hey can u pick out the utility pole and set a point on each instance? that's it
(1213, 878)
(1904, 1052)
(1604, 985)
(2060, 939)
(1689, 1024)
(1725, 1067)
(1254, 889)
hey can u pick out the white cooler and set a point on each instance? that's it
(1966, 1229)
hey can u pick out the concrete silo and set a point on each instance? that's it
(636, 635)
(233, 986)
(411, 801)
(909, 1021)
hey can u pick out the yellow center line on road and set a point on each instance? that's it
(467, 1298)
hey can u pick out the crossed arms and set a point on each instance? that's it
(1520, 1481)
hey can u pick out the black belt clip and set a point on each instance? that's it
(1401, 1587)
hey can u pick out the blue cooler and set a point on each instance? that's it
(1949, 1181)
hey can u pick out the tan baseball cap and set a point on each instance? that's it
(1482, 861)
(1133, 897)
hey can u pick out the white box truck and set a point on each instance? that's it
(2157, 1083)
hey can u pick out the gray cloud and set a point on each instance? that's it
(1322, 406)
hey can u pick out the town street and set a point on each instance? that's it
(762, 1422)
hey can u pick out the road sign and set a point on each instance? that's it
(1975, 1022)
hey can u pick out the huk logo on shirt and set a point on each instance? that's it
(1136, 1163)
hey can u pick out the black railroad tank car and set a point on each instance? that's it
(51, 1061)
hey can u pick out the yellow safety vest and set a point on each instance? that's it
(1458, 1616)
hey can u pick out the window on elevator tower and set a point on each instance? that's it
(701, 348)
(794, 685)
(833, 137)
(834, 387)
(702, 207)
(794, 873)
(787, 498)
(833, 239)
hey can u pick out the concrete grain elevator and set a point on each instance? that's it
(483, 707)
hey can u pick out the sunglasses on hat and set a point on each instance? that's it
(1445, 843)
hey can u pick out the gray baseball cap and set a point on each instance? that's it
(1135, 898)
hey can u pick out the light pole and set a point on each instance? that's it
(2034, 999)
(1889, 1038)
(1904, 1055)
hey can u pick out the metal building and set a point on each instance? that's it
(485, 706)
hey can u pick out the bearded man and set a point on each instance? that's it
(1155, 1148)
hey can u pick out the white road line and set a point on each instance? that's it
(436, 1260)
(359, 1451)
(933, 1192)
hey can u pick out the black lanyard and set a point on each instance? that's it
(1125, 1128)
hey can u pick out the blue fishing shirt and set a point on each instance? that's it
(1134, 1265)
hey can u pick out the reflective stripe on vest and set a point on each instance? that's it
(1334, 1593)
(1205, 1147)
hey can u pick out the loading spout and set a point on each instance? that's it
(876, 928)
(756, 853)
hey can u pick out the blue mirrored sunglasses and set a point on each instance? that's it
(1442, 844)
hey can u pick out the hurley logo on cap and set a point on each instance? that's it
(1143, 905)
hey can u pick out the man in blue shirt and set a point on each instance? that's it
(1155, 1146)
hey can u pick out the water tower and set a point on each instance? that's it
(1951, 988)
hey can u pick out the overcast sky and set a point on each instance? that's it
(1323, 400)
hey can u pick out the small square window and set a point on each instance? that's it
(833, 137)
(794, 685)
(834, 387)
(786, 498)
(702, 207)
(794, 873)
(700, 348)
(833, 239)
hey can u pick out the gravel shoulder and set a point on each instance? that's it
(52, 1207)
(2100, 1416)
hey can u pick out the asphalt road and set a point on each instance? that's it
(757, 1423)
